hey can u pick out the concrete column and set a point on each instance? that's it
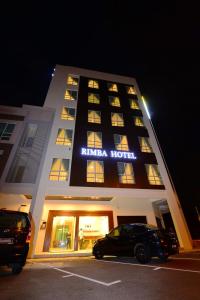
(36, 210)
(180, 224)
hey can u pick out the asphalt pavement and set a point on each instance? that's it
(118, 278)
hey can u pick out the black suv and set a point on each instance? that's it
(140, 240)
(15, 231)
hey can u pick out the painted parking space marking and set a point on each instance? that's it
(70, 275)
(158, 268)
(150, 266)
(81, 276)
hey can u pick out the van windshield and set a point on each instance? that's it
(12, 220)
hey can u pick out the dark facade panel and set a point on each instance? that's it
(11, 117)
(132, 132)
(131, 219)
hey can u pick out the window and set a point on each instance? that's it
(27, 158)
(144, 144)
(59, 170)
(117, 119)
(133, 104)
(153, 175)
(94, 139)
(138, 121)
(71, 95)
(68, 113)
(94, 116)
(64, 137)
(115, 232)
(6, 131)
(121, 142)
(72, 80)
(114, 101)
(112, 87)
(13, 221)
(125, 172)
(93, 98)
(29, 135)
(95, 171)
(93, 84)
(130, 90)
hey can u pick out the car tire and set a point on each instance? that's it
(163, 258)
(98, 254)
(142, 253)
(16, 268)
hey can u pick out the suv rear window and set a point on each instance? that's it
(12, 220)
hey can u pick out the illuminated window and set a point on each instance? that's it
(130, 90)
(6, 131)
(95, 171)
(153, 175)
(112, 87)
(94, 116)
(94, 139)
(68, 113)
(138, 121)
(71, 95)
(117, 119)
(121, 142)
(64, 137)
(133, 104)
(114, 101)
(72, 80)
(144, 144)
(99, 225)
(93, 84)
(59, 170)
(125, 172)
(93, 98)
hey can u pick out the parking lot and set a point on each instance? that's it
(110, 278)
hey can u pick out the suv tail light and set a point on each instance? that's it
(28, 238)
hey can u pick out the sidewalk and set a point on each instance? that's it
(194, 252)
(188, 251)
(62, 255)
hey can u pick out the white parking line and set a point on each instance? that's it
(149, 266)
(81, 276)
(157, 269)
(70, 275)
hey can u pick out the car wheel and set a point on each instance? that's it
(142, 253)
(16, 268)
(98, 254)
(163, 258)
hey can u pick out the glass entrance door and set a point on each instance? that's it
(63, 232)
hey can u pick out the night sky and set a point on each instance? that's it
(155, 42)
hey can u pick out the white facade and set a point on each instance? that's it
(46, 196)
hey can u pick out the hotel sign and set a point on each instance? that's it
(104, 153)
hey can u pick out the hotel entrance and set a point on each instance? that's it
(75, 230)
(63, 232)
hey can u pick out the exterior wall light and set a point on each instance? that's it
(146, 108)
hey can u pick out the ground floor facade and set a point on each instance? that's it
(63, 224)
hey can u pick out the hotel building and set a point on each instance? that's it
(86, 161)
